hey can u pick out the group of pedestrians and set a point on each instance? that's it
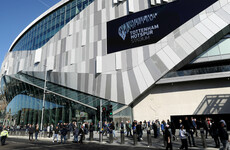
(188, 131)
(107, 128)
(217, 130)
(61, 130)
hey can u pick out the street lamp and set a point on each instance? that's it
(44, 96)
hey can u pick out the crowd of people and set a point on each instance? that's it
(61, 129)
(188, 130)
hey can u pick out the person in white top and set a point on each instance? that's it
(183, 136)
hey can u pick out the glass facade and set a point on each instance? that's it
(47, 27)
(219, 51)
(2, 108)
(24, 97)
(215, 59)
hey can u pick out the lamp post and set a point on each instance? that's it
(44, 96)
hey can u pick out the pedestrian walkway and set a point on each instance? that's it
(157, 143)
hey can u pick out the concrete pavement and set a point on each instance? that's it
(157, 143)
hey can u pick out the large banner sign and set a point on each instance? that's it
(151, 25)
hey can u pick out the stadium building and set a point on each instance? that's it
(138, 59)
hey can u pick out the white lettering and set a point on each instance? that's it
(125, 28)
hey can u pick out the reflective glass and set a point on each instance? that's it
(25, 103)
(225, 47)
(220, 51)
(46, 28)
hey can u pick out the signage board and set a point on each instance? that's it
(151, 25)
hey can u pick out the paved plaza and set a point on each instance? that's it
(22, 142)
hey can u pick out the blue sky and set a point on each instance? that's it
(15, 15)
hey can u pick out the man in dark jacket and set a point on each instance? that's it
(168, 139)
(63, 134)
(139, 131)
(31, 132)
(223, 134)
(154, 126)
(214, 131)
(81, 133)
(189, 129)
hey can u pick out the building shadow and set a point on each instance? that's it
(214, 104)
(216, 107)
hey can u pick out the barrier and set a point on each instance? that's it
(149, 139)
(122, 136)
(45, 134)
(134, 138)
(91, 135)
(100, 137)
(111, 137)
(68, 135)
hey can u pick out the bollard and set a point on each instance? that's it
(134, 138)
(149, 139)
(40, 134)
(68, 135)
(100, 137)
(91, 135)
(45, 134)
(203, 137)
(122, 136)
(23, 133)
(111, 137)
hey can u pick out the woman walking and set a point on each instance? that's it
(183, 136)
(36, 132)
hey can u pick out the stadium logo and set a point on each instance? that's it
(124, 29)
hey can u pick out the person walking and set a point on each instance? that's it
(51, 130)
(183, 136)
(223, 134)
(154, 126)
(112, 129)
(86, 129)
(168, 138)
(163, 124)
(56, 132)
(4, 135)
(63, 134)
(122, 125)
(194, 123)
(81, 133)
(190, 130)
(139, 131)
(206, 126)
(75, 133)
(128, 128)
(214, 131)
(173, 129)
(36, 132)
(31, 132)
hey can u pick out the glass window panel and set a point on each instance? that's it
(225, 46)
(38, 35)
(214, 51)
